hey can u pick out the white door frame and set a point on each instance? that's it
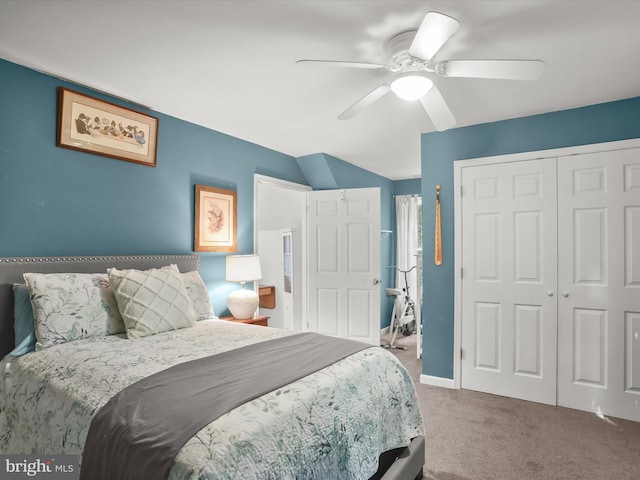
(264, 180)
(285, 184)
(457, 184)
(275, 182)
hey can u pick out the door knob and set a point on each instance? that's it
(550, 293)
(565, 294)
(376, 281)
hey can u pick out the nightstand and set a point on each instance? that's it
(267, 294)
(262, 320)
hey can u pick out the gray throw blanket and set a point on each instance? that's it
(139, 432)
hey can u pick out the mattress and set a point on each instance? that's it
(332, 424)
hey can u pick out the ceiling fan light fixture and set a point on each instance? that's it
(411, 87)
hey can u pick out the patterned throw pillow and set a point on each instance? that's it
(72, 306)
(199, 296)
(152, 301)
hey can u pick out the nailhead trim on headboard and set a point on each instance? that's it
(11, 267)
(104, 258)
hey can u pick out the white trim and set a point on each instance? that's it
(257, 178)
(437, 381)
(554, 152)
(457, 283)
(298, 187)
(458, 165)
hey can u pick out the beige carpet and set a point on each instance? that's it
(477, 436)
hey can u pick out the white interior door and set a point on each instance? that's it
(599, 281)
(343, 235)
(509, 279)
(418, 296)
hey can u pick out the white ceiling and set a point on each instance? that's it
(230, 65)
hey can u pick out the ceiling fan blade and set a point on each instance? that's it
(434, 31)
(438, 110)
(336, 63)
(497, 69)
(364, 102)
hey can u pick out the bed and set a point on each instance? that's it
(357, 418)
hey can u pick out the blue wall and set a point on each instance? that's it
(316, 167)
(56, 201)
(581, 126)
(411, 186)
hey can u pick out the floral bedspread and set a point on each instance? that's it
(332, 424)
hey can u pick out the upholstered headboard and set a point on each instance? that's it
(12, 268)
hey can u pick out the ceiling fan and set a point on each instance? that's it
(412, 53)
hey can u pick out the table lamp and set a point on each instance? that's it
(243, 268)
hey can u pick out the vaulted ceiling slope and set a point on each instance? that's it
(231, 65)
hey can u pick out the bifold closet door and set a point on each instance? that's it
(599, 282)
(509, 275)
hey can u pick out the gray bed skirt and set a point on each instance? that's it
(403, 463)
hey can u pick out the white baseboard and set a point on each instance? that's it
(384, 330)
(437, 381)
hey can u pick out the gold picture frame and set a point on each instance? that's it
(102, 128)
(216, 220)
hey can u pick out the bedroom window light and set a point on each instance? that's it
(243, 268)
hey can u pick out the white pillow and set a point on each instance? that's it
(72, 306)
(152, 301)
(199, 295)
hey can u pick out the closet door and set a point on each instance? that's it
(509, 277)
(599, 282)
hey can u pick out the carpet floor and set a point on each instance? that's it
(478, 436)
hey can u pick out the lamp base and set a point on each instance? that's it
(242, 303)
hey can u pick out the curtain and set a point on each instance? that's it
(407, 241)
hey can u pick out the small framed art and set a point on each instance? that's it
(216, 220)
(102, 128)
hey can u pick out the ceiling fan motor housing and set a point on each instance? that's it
(397, 47)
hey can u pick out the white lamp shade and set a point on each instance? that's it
(411, 86)
(243, 268)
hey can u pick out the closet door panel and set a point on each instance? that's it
(509, 282)
(599, 282)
